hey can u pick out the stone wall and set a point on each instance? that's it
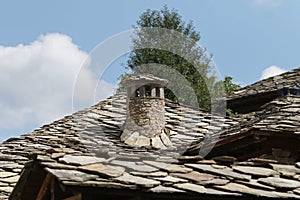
(146, 116)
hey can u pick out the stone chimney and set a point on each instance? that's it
(145, 122)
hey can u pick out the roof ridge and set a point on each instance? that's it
(240, 90)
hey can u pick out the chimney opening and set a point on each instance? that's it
(148, 91)
(137, 92)
(157, 90)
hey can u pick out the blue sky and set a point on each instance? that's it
(39, 39)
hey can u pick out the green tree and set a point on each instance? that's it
(229, 86)
(198, 73)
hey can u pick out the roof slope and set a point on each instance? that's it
(279, 115)
(84, 151)
(290, 79)
(96, 131)
(264, 91)
(276, 122)
(189, 180)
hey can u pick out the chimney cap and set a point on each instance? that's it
(143, 79)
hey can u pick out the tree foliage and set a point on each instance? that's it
(229, 86)
(190, 60)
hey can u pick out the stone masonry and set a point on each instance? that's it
(145, 122)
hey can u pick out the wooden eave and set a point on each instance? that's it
(254, 143)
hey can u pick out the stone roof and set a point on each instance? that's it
(290, 79)
(278, 117)
(84, 150)
(96, 131)
(142, 79)
(264, 91)
(206, 178)
(281, 115)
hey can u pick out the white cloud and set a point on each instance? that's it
(267, 2)
(271, 71)
(105, 89)
(36, 81)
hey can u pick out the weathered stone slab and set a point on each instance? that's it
(160, 165)
(3, 184)
(130, 179)
(140, 167)
(262, 161)
(208, 162)
(102, 184)
(157, 143)
(220, 167)
(172, 168)
(17, 170)
(150, 174)
(256, 171)
(286, 170)
(297, 191)
(44, 158)
(58, 165)
(104, 170)
(221, 172)
(183, 137)
(216, 181)
(297, 177)
(10, 180)
(57, 155)
(177, 168)
(163, 189)
(171, 179)
(6, 174)
(6, 189)
(5, 162)
(280, 183)
(71, 175)
(80, 160)
(221, 193)
(225, 159)
(131, 140)
(194, 176)
(191, 187)
(255, 184)
(165, 139)
(9, 157)
(190, 159)
(168, 159)
(61, 150)
(235, 187)
(142, 141)
(12, 166)
(279, 195)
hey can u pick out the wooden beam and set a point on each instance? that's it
(52, 189)
(75, 197)
(233, 138)
(43, 188)
(136, 198)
